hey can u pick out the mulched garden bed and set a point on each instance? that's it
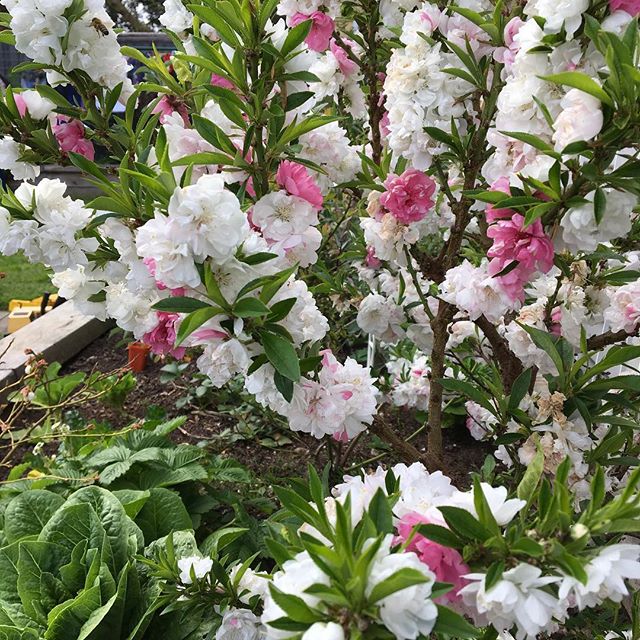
(222, 435)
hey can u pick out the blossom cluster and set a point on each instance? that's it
(527, 599)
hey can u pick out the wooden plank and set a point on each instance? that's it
(57, 336)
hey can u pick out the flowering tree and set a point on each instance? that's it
(459, 179)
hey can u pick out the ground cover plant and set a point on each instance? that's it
(349, 209)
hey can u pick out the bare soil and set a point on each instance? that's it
(223, 435)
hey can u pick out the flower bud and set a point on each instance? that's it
(579, 531)
(324, 631)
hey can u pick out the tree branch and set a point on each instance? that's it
(405, 449)
(510, 365)
(605, 339)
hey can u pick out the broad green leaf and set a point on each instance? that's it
(132, 500)
(67, 619)
(28, 512)
(282, 355)
(161, 514)
(439, 534)
(38, 588)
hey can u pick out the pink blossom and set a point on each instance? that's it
(169, 105)
(69, 134)
(295, 179)
(347, 66)
(207, 335)
(431, 17)
(371, 260)
(385, 125)
(445, 562)
(511, 31)
(632, 313)
(632, 7)
(21, 104)
(219, 81)
(556, 317)
(530, 247)
(409, 197)
(85, 148)
(321, 30)
(329, 361)
(501, 184)
(507, 54)
(162, 339)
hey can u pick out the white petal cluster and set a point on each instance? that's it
(474, 291)
(329, 147)
(410, 381)
(606, 575)
(82, 40)
(197, 565)
(297, 575)
(581, 231)
(519, 598)
(53, 235)
(10, 154)
(204, 221)
(342, 402)
(381, 317)
(418, 92)
(410, 612)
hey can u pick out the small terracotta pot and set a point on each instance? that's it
(138, 355)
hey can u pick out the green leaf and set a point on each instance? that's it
(527, 488)
(467, 389)
(439, 534)
(258, 258)
(580, 81)
(222, 538)
(38, 589)
(402, 579)
(295, 37)
(543, 340)
(180, 305)
(281, 354)
(250, 308)
(519, 389)
(528, 547)
(380, 512)
(132, 500)
(66, 620)
(195, 320)
(464, 524)
(534, 141)
(161, 514)
(28, 512)
(453, 625)
(295, 608)
(494, 573)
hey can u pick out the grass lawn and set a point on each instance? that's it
(21, 280)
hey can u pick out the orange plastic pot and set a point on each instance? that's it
(138, 356)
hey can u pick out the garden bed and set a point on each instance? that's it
(287, 453)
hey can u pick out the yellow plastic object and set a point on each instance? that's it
(20, 317)
(36, 302)
(22, 312)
